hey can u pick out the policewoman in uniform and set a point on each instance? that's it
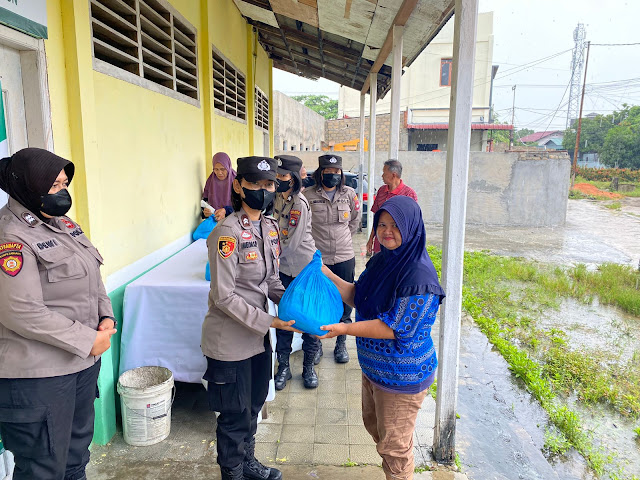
(244, 251)
(335, 218)
(292, 212)
(55, 321)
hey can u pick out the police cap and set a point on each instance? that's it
(288, 164)
(330, 161)
(257, 168)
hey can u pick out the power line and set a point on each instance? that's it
(614, 44)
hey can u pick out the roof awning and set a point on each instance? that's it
(343, 40)
(445, 126)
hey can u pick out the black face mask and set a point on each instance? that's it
(56, 204)
(331, 180)
(283, 186)
(307, 182)
(258, 199)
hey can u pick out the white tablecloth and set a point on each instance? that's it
(163, 314)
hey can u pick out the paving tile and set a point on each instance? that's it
(281, 400)
(300, 416)
(353, 387)
(331, 386)
(338, 374)
(296, 385)
(331, 416)
(276, 415)
(354, 376)
(332, 434)
(354, 417)
(330, 454)
(268, 432)
(364, 454)
(354, 401)
(358, 435)
(306, 399)
(266, 452)
(298, 434)
(294, 453)
(332, 400)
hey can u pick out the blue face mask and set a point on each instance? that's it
(56, 204)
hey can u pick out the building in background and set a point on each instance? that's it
(426, 91)
(296, 127)
(551, 140)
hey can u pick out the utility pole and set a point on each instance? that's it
(513, 116)
(575, 152)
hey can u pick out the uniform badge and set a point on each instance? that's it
(30, 219)
(279, 162)
(333, 160)
(246, 223)
(68, 223)
(345, 215)
(11, 258)
(285, 232)
(264, 166)
(246, 235)
(273, 233)
(357, 202)
(226, 246)
(294, 220)
(251, 256)
(295, 212)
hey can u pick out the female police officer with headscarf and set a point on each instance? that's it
(244, 251)
(55, 321)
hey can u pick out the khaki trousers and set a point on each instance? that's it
(390, 419)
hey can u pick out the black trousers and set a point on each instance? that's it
(346, 271)
(310, 344)
(237, 390)
(47, 423)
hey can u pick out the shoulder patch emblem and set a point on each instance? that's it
(273, 233)
(68, 223)
(226, 246)
(30, 219)
(246, 235)
(285, 232)
(11, 258)
(357, 202)
(251, 256)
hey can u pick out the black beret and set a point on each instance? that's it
(288, 164)
(330, 161)
(257, 168)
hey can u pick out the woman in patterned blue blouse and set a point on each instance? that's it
(396, 300)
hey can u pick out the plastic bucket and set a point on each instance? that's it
(145, 396)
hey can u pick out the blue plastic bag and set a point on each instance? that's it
(207, 273)
(205, 228)
(312, 300)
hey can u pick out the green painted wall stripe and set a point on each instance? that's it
(13, 20)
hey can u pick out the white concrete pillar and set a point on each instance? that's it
(361, 150)
(455, 202)
(371, 174)
(396, 77)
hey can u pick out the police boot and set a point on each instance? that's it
(253, 469)
(340, 353)
(318, 355)
(309, 376)
(284, 372)
(232, 473)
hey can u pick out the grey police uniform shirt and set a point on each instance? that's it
(51, 295)
(294, 219)
(244, 275)
(334, 222)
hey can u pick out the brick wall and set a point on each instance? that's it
(346, 129)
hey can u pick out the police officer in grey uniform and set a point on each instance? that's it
(335, 218)
(244, 251)
(293, 214)
(55, 321)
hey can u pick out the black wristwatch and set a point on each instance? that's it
(115, 322)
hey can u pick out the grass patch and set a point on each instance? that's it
(505, 295)
(614, 206)
(350, 463)
(458, 462)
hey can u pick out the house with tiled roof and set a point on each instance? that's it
(551, 140)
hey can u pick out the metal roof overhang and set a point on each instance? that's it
(344, 40)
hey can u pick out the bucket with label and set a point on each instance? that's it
(146, 398)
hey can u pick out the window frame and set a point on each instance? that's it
(224, 69)
(261, 110)
(443, 62)
(158, 48)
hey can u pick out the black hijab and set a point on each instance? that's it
(29, 174)
(402, 272)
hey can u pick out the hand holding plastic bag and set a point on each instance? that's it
(204, 229)
(312, 300)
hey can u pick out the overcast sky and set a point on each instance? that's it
(526, 31)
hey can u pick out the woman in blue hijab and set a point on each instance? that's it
(396, 300)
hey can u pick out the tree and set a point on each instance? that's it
(621, 148)
(320, 104)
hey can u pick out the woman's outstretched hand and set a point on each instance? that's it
(334, 330)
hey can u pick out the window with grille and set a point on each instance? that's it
(229, 88)
(149, 39)
(262, 110)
